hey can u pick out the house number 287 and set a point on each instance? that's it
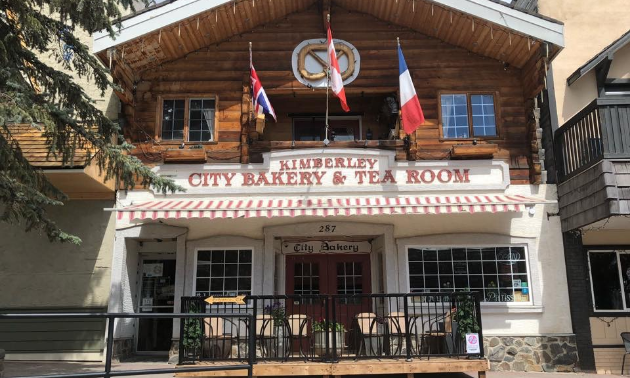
(328, 228)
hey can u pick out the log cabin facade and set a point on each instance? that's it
(460, 204)
(206, 56)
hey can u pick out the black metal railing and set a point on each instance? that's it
(599, 131)
(244, 364)
(334, 327)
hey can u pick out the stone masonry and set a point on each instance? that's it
(122, 349)
(535, 353)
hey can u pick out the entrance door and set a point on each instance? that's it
(329, 274)
(157, 295)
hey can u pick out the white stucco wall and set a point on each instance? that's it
(539, 230)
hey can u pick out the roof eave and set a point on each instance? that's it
(607, 53)
(536, 27)
(155, 19)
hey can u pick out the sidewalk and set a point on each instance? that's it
(32, 368)
(29, 368)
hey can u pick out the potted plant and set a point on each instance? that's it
(464, 320)
(323, 330)
(193, 335)
(278, 314)
(278, 323)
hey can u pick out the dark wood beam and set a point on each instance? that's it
(325, 7)
(601, 73)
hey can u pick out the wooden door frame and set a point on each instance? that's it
(274, 261)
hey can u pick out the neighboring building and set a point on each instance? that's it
(591, 81)
(470, 183)
(37, 275)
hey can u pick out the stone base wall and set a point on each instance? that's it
(531, 353)
(123, 348)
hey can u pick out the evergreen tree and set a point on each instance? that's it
(35, 93)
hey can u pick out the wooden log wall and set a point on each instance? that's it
(435, 66)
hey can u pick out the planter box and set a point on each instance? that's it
(373, 345)
(470, 150)
(319, 342)
(189, 155)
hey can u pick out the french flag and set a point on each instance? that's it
(412, 116)
(262, 105)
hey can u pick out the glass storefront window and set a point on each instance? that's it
(499, 273)
(224, 272)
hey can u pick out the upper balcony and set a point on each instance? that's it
(600, 131)
(593, 162)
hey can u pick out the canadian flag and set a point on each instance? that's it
(336, 82)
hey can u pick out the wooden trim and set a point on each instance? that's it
(470, 150)
(497, 113)
(186, 97)
(350, 367)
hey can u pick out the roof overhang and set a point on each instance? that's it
(152, 20)
(606, 54)
(525, 23)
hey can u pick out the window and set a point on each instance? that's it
(610, 279)
(466, 115)
(341, 129)
(224, 272)
(188, 119)
(499, 273)
(173, 119)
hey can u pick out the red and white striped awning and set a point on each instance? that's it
(324, 207)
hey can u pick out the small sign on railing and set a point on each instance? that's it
(239, 299)
(472, 343)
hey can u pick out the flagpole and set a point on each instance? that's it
(251, 110)
(327, 76)
(399, 94)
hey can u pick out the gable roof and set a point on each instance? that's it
(173, 29)
(606, 52)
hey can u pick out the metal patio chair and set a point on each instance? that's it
(436, 331)
(397, 330)
(217, 342)
(265, 336)
(369, 333)
(298, 331)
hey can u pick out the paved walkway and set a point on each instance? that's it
(29, 369)
(26, 369)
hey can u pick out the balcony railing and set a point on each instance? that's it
(329, 328)
(599, 131)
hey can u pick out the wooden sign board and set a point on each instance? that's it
(320, 246)
(239, 299)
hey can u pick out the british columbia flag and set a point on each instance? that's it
(261, 102)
